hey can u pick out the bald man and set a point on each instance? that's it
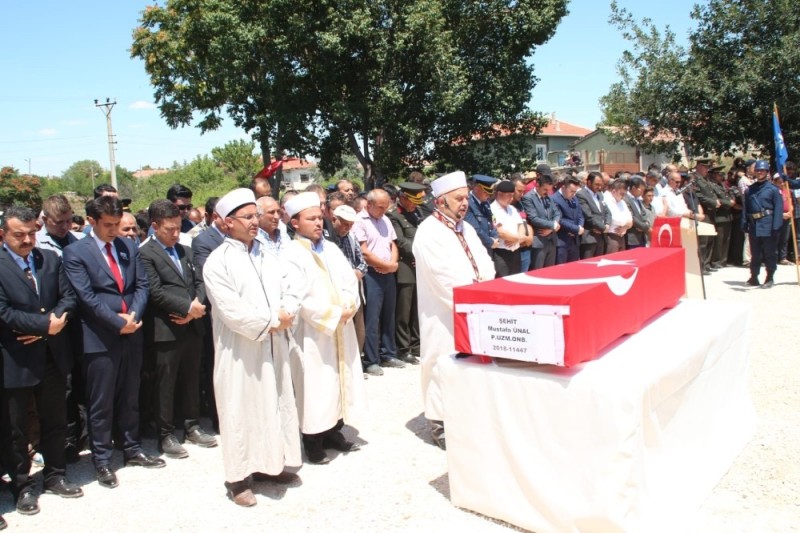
(375, 233)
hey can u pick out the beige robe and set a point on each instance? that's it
(328, 379)
(442, 264)
(252, 378)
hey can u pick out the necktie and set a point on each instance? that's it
(29, 275)
(599, 197)
(546, 201)
(112, 264)
(639, 203)
(173, 254)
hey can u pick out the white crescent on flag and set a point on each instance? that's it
(618, 285)
(665, 228)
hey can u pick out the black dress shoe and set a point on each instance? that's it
(198, 437)
(314, 450)
(768, 284)
(63, 488)
(106, 477)
(3, 523)
(753, 282)
(172, 448)
(28, 502)
(142, 459)
(410, 359)
(337, 441)
(392, 362)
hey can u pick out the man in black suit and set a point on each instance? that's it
(636, 236)
(110, 283)
(202, 245)
(55, 235)
(597, 217)
(174, 328)
(182, 198)
(35, 303)
(545, 218)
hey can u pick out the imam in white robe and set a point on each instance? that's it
(252, 377)
(328, 378)
(442, 264)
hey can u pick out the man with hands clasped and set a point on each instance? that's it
(110, 283)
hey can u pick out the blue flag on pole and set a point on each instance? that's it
(781, 155)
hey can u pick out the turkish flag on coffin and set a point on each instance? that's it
(567, 314)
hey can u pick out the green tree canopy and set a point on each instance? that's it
(716, 94)
(19, 189)
(386, 81)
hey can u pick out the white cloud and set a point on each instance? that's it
(47, 132)
(141, 104)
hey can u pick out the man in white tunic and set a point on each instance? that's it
(448, 253)
(253, 304)
(328, 379)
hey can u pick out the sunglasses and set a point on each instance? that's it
(185, 207)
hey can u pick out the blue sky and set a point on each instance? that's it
(58, 57)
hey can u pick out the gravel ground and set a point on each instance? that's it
(398, 481)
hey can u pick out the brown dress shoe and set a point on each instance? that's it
(241, 493)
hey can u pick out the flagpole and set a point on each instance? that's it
(794, 235)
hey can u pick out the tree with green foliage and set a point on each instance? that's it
(19, 189)
(389, 82)
(717, 94)
(237, 159)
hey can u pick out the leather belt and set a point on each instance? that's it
(761, 214)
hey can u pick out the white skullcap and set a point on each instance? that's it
(304, 200)
(345, 212)
(448, 182)
(233, 201)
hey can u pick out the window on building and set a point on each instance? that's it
(304, 178)
(541, 153)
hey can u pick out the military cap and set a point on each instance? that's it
(414, 192)
(486, 181)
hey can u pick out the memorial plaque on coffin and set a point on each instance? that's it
(567, 314)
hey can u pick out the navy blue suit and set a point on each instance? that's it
(206, 242)
(568, 246)
(112, 362)
(36, 371)
(542, 214)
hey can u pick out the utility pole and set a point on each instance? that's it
(106, 109)
(29, 166)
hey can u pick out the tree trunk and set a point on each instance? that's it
(262, 137)
(363, 159)
(277, 178)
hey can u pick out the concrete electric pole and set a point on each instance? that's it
(106, 108)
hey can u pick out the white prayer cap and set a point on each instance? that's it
(234, 200)
(345, 212)
(448, 182)
(304, 200)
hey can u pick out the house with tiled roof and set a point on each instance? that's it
(601, 151)
(298, 173)
(552, 143)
